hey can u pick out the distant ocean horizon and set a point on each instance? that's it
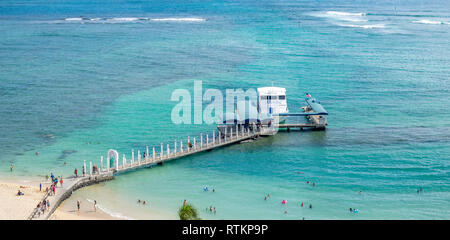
(80, 77)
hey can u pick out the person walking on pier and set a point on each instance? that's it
(95, 206)
(61, 181)
(78, 206)
(40, 187)
(76, 172)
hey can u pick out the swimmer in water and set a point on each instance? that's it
(314, 184)
(302, 204)
(307, 182)
(310, 205)
(139, 201)
(351, 210)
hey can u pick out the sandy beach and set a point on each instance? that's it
(15, 207)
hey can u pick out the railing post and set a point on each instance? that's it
(175, 148)
(124, 161)
(146, 155)
(201, 140)
(207, 140)
(195, 143)
(154, 154)
(181, 146)
(139, 157)
(101, 163)
(90, 168)
(132, 156)
(168, 151)
(237, 131)
(161, 154)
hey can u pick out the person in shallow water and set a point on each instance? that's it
(310, 205)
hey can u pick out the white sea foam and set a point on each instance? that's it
(74, 19)
(344, 13)
(109, 212)
(124, 19)
(341, 16)
(368, 26)
(187, 19)
(426, 21)
(134, 19)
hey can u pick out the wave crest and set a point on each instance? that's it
(337, 13)
(134, 19)
(368, 26)
(426, 21)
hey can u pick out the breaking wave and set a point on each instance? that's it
(348, 19)
(178, 19)
(345, 13)
(341, 16)
(426, 21)
(368, 26)
(134, 19)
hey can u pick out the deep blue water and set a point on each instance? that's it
(73, 88)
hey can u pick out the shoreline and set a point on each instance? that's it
(20, 207)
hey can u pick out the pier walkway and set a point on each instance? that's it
(92, 175)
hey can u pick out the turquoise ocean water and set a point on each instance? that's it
(80, 77)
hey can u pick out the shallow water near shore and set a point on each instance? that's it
(72, 88)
